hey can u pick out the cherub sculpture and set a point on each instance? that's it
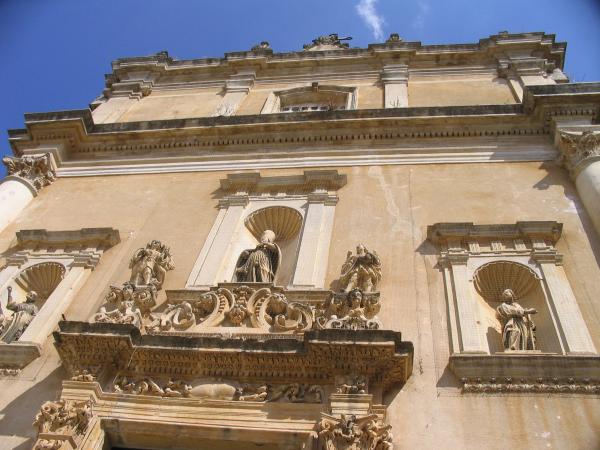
(151, 263)
(362, 271)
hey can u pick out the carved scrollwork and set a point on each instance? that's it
(241, 306)
(353, 433)
(127, 304)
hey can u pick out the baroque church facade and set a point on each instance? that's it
(371, 248)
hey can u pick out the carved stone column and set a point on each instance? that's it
(395, 85)
(581, 156)
(26, 176)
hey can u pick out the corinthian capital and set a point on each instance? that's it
(37, 170)
(578, 149)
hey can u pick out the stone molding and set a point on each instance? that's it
(528, 373)
(35, 171)
(309, 181)
(579, 149)
(334, 138)
(85, 246)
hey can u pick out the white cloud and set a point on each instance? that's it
(422, 12)
(366, 10)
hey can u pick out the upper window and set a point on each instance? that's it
(311, 98)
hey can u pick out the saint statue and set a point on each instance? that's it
(518, 332)
(362, 271)
(259, 265)
(23, 314)
(150, 264)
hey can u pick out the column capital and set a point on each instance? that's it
(578, 149)
(394, 73)
(36, 171)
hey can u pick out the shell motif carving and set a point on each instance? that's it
(493, 278)
(42, 278)
(284, 221)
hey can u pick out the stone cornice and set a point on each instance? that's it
(443, 233)
(310, 180)
(499, 44)
(377, 354)
(100, 238)
(328, 138)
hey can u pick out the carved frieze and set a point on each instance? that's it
(36, 170)
(508, 385)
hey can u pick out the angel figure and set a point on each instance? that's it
(362, 270)
(151, 263)
(259, 265)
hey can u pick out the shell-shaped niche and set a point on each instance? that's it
(493, 278)
(284, 221)
(42, 278)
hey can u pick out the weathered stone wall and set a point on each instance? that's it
(388, 209)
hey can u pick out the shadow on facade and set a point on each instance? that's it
(557, 176)
(18, 415)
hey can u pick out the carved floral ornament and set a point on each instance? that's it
(579, 148)
(350, 432)
(37, 170)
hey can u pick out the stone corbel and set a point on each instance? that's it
(394, 78)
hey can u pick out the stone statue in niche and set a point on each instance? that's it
(259, 265)
(362, 271)
(518, 331)
(12, 328)
(149, 265)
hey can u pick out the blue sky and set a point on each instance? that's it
(55, 53)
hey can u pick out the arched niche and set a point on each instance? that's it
(38, 281)
(491, 279)
(286, 223)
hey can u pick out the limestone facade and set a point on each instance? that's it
(308, 250)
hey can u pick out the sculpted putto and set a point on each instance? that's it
(259, 265)
(518, 332)
(149, 265)
(362, 271)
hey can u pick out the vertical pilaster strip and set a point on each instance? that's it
(207, 270)
(313, 254)
(467, 309)
(395, 85)
(572, 327)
